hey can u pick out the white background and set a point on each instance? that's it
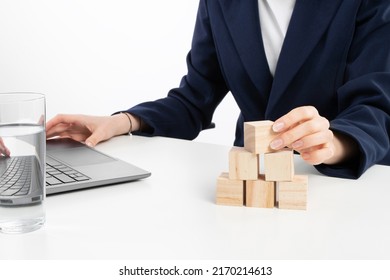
(99, 56)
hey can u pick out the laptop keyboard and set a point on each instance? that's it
(58, 173)
(16, 178)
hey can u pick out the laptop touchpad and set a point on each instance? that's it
(80, 156)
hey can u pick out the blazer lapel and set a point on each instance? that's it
(242, 19)
(309, 21)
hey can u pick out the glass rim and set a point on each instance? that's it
(18, 96)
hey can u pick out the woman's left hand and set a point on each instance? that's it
(304, 130)
(3, 149)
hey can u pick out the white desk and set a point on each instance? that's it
(172, 214)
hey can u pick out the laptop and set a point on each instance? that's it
(71, 165)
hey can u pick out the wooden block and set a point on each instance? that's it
(257, 136)
(279, 165)
(243, 165)
(229, 192)
(293, 195)
(260, 193)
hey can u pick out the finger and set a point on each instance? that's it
(294, 117)
(313, 140)
(57, 130)
(317, 155)
(63, 119)
(96, 137)
(78, 136)
(3, 149)
(92, 141)
(58, 119)
(68, 130)
(313, 126)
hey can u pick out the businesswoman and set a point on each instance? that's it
(319, 68)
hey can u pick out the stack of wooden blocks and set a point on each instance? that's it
(243, 185)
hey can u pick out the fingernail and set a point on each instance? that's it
(278, 126)
(297, 144)
(305, 156)
(89, 144)
(276, 144)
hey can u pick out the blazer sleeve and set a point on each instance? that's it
(364, 98)
(189, 108)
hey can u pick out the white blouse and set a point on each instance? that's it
(275, 17)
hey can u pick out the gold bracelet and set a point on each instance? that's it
(131, 123)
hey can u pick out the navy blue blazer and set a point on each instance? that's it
(335, 56)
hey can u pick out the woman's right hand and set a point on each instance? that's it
(89, 129)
